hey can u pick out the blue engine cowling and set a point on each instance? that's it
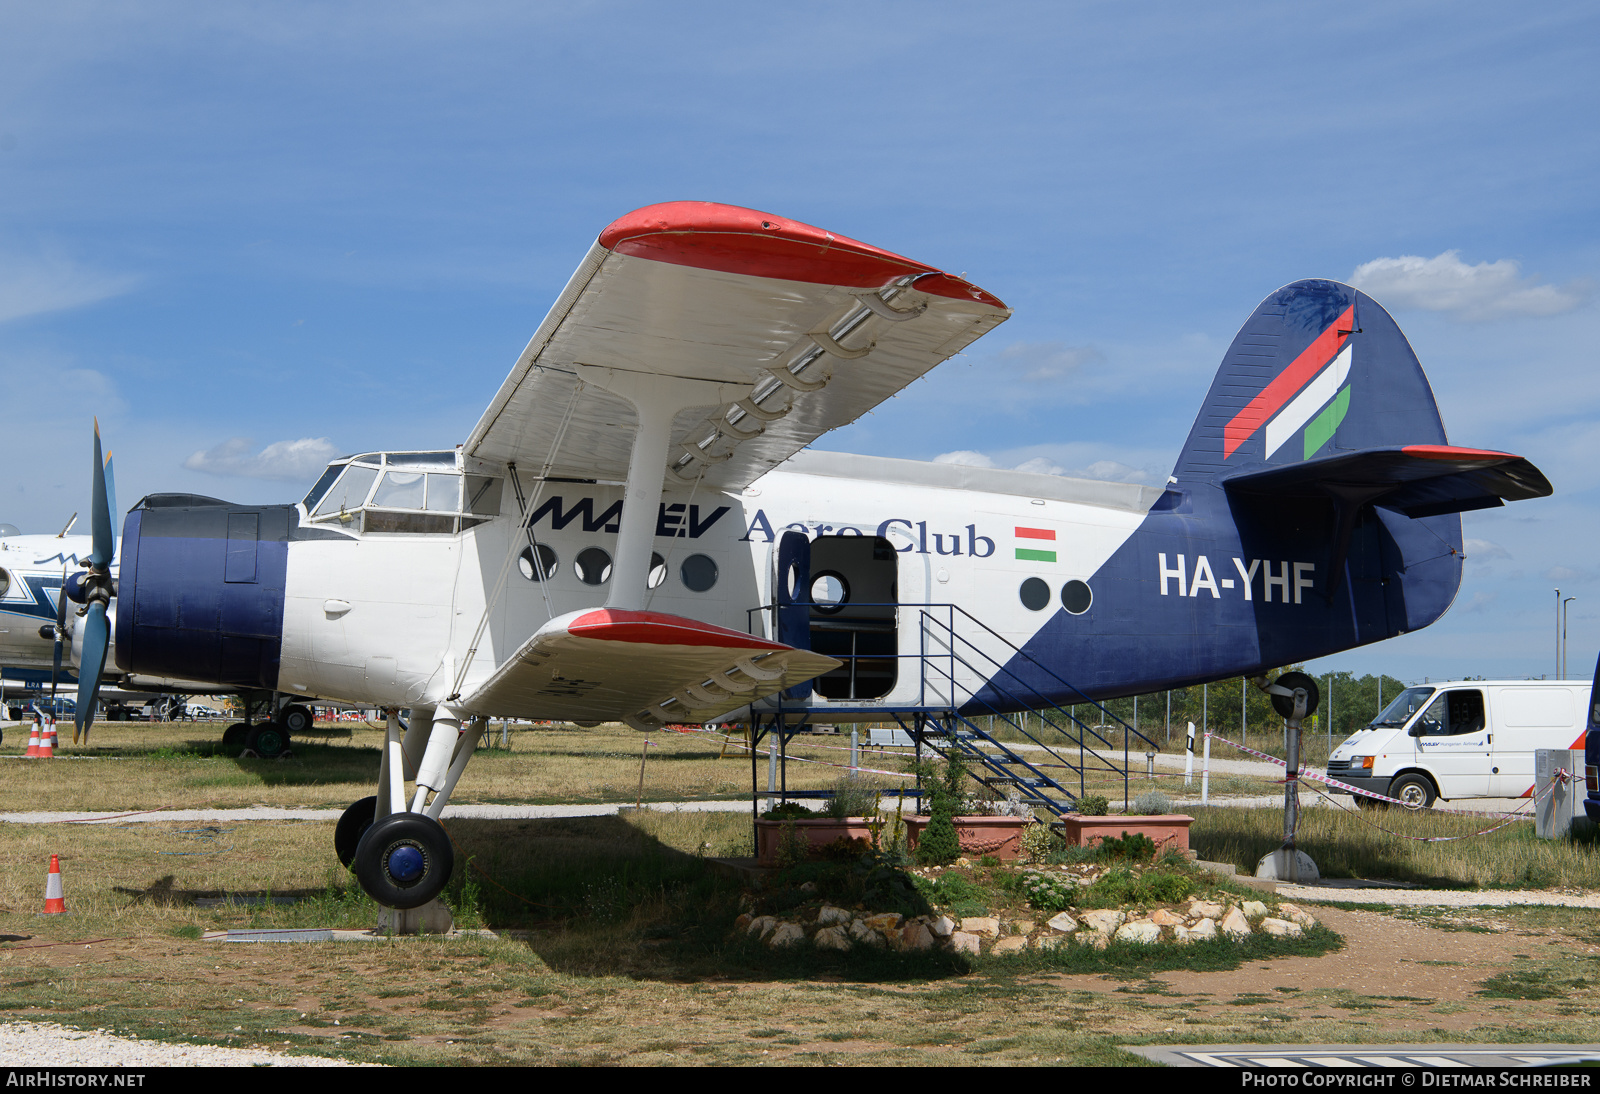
(200, 592)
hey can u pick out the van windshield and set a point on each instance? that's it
(1397, 713)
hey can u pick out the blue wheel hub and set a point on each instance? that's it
(407, 864)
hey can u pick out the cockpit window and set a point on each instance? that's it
(403, 492)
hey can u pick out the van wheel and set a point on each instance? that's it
(1414, 791)
(1370, 803)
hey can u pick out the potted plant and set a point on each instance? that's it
(1151, 816)
(850, 816)
(982, 826)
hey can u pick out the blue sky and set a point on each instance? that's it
(250, 235)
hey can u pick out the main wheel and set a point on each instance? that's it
(295, 719)
(269, 740)
(404, 860)
(235, 734)
(1414, 791)
(353, 824)
(1284, 704)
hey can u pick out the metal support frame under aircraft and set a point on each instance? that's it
(640, 482)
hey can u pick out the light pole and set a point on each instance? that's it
(1558, 634)
(1564, 604)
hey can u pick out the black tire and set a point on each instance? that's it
(269, 740)
(295, 719)
(404, 860)
(1370, 803)
(1414, 791)
(235, 734)
(1284, 704)
(353, 824)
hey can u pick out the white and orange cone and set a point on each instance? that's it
(33, 740)
(55, 902)
(46, 743)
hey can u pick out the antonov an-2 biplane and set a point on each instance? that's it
(634, 530)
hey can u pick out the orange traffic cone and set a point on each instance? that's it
(46, 743)
(54, 901)
(33, 740)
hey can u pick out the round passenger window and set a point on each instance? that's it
(829, 591)
(1076, 597)
(699, 573)
(1035, 594)
(547, 563)
(658, 571)
(593, 566)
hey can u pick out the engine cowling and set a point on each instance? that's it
(201, 590)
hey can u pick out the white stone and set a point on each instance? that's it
(761, 924)
(1203, 931)
(1235, 924)
(787, 934)
(831, 938)
(863, 933)
(1105, 920)
(1063, 922)
(941, 926)
(828, 915)
(962, 942)
(1205, 909)
(1253, 909)
(1015, 943)
(916, 936)
(1280, 928)
(1143, 932)
(984, 925)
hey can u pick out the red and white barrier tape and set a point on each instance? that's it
(1314, 777)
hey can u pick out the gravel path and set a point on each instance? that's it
(45, 1044)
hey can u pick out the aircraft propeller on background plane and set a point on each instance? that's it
(94, 589)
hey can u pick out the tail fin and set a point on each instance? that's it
(1318, 369)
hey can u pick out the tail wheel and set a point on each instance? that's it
(1414, 791)
(1284, 704)
(295, 719)
(353, 824)
(404, 860)
(269, 740)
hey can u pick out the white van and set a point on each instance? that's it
(1462, 739)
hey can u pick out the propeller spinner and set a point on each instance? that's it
(94, 588)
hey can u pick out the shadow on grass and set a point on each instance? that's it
(603, 898)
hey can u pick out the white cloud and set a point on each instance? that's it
(1483, 549)
(965, 457)
(1489, 290)
(289, 461)
(1104, 470)
(37, 285)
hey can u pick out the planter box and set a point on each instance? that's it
(997, 836)
(818, 832)
(1168, 831)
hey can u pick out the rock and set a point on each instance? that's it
(1253, 909)
(761, 925)
(787, 934)
(1280, 928)
(1235, 924)
(831, 938)
(985, 925)
(1104, 921)
(885, 921)
(941, 926)
(1051, 941)
(828, 916)
(916, 936)
(1015, 943)
(808, 887)
(1203, 931)
(1205, 909)
(743, 922)
(1296, 914)
(962, 942)
(865, 934)
(1095, 939)
(1163, 918)
(1142, 931)
(1180, 934)
(1022, 926)
(1063, 922)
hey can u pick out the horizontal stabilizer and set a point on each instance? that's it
(1420, 480)
(643, 668)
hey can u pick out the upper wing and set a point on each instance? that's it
(598, 664)
(823, 327)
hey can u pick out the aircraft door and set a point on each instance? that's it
(854, 613)
(791, 595)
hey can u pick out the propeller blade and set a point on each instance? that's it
(96, 636)
(61, 630)
(100, 510)
(111, 503)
